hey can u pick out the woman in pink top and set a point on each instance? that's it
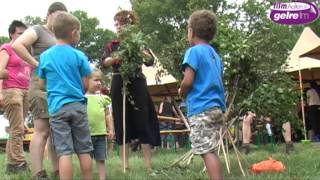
(13, 98)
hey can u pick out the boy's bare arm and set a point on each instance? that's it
(85, 82)
(187, 81)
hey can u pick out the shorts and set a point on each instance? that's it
(205, 128)
(70, 130)
(99, 143)
(38, 101)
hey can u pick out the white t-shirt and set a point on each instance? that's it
(3, 125)
(313, 97)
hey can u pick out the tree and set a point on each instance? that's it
(4, 39)
(93, 38)
(33, 20)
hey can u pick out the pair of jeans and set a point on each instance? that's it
(15, 109)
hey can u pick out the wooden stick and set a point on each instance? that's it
(235, 149)
(167, 118)
(190, 159)
(124, 129)
(224, 152)
(180, 113)
(204, 169)
(187, 154)
(174, 131)
(219, 147)
(302, 104)
(228, 155)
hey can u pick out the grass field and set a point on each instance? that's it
(303, 163)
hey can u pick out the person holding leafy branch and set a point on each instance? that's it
(126, 57)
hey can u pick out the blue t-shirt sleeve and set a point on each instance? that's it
(41, 69)
(191, 59)
(85, 69)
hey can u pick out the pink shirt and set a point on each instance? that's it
(18, 70)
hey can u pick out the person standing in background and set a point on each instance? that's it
(313, 101)
(14, 98)
(39, 38)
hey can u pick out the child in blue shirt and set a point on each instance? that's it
(203, 88)
(65, 70)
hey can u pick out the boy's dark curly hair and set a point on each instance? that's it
(203, 24)
(126, 17)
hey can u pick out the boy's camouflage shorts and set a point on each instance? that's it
(205, 127)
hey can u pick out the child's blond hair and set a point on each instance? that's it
(95, 70)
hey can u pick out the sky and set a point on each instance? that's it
(104, 10)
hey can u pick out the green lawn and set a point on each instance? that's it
(304, 163)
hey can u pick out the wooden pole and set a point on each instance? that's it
(302, 104)
(236, 152)
(173, 101)
(223, 150)
(124, 129)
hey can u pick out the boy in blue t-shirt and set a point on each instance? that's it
(65, 70)
(203, 88)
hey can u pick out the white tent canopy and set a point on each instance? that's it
(158, 86)
(307, 41)
(151, 75)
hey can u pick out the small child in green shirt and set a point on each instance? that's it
(98, 112)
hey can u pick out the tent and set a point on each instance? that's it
(313, 53)
(166, 85)
(308, 65)
(302, 64)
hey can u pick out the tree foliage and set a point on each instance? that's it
(4, 39)
(33, 20)
(93, 38)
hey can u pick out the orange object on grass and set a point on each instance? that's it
(270, 165)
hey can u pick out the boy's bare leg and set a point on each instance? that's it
(65, 167)
(53, 156)
(101, 169)
(146, 155)
(246, 131)
(38, 143)
(213, 166)
(286, 132)
(85, 166)
(125, 162)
